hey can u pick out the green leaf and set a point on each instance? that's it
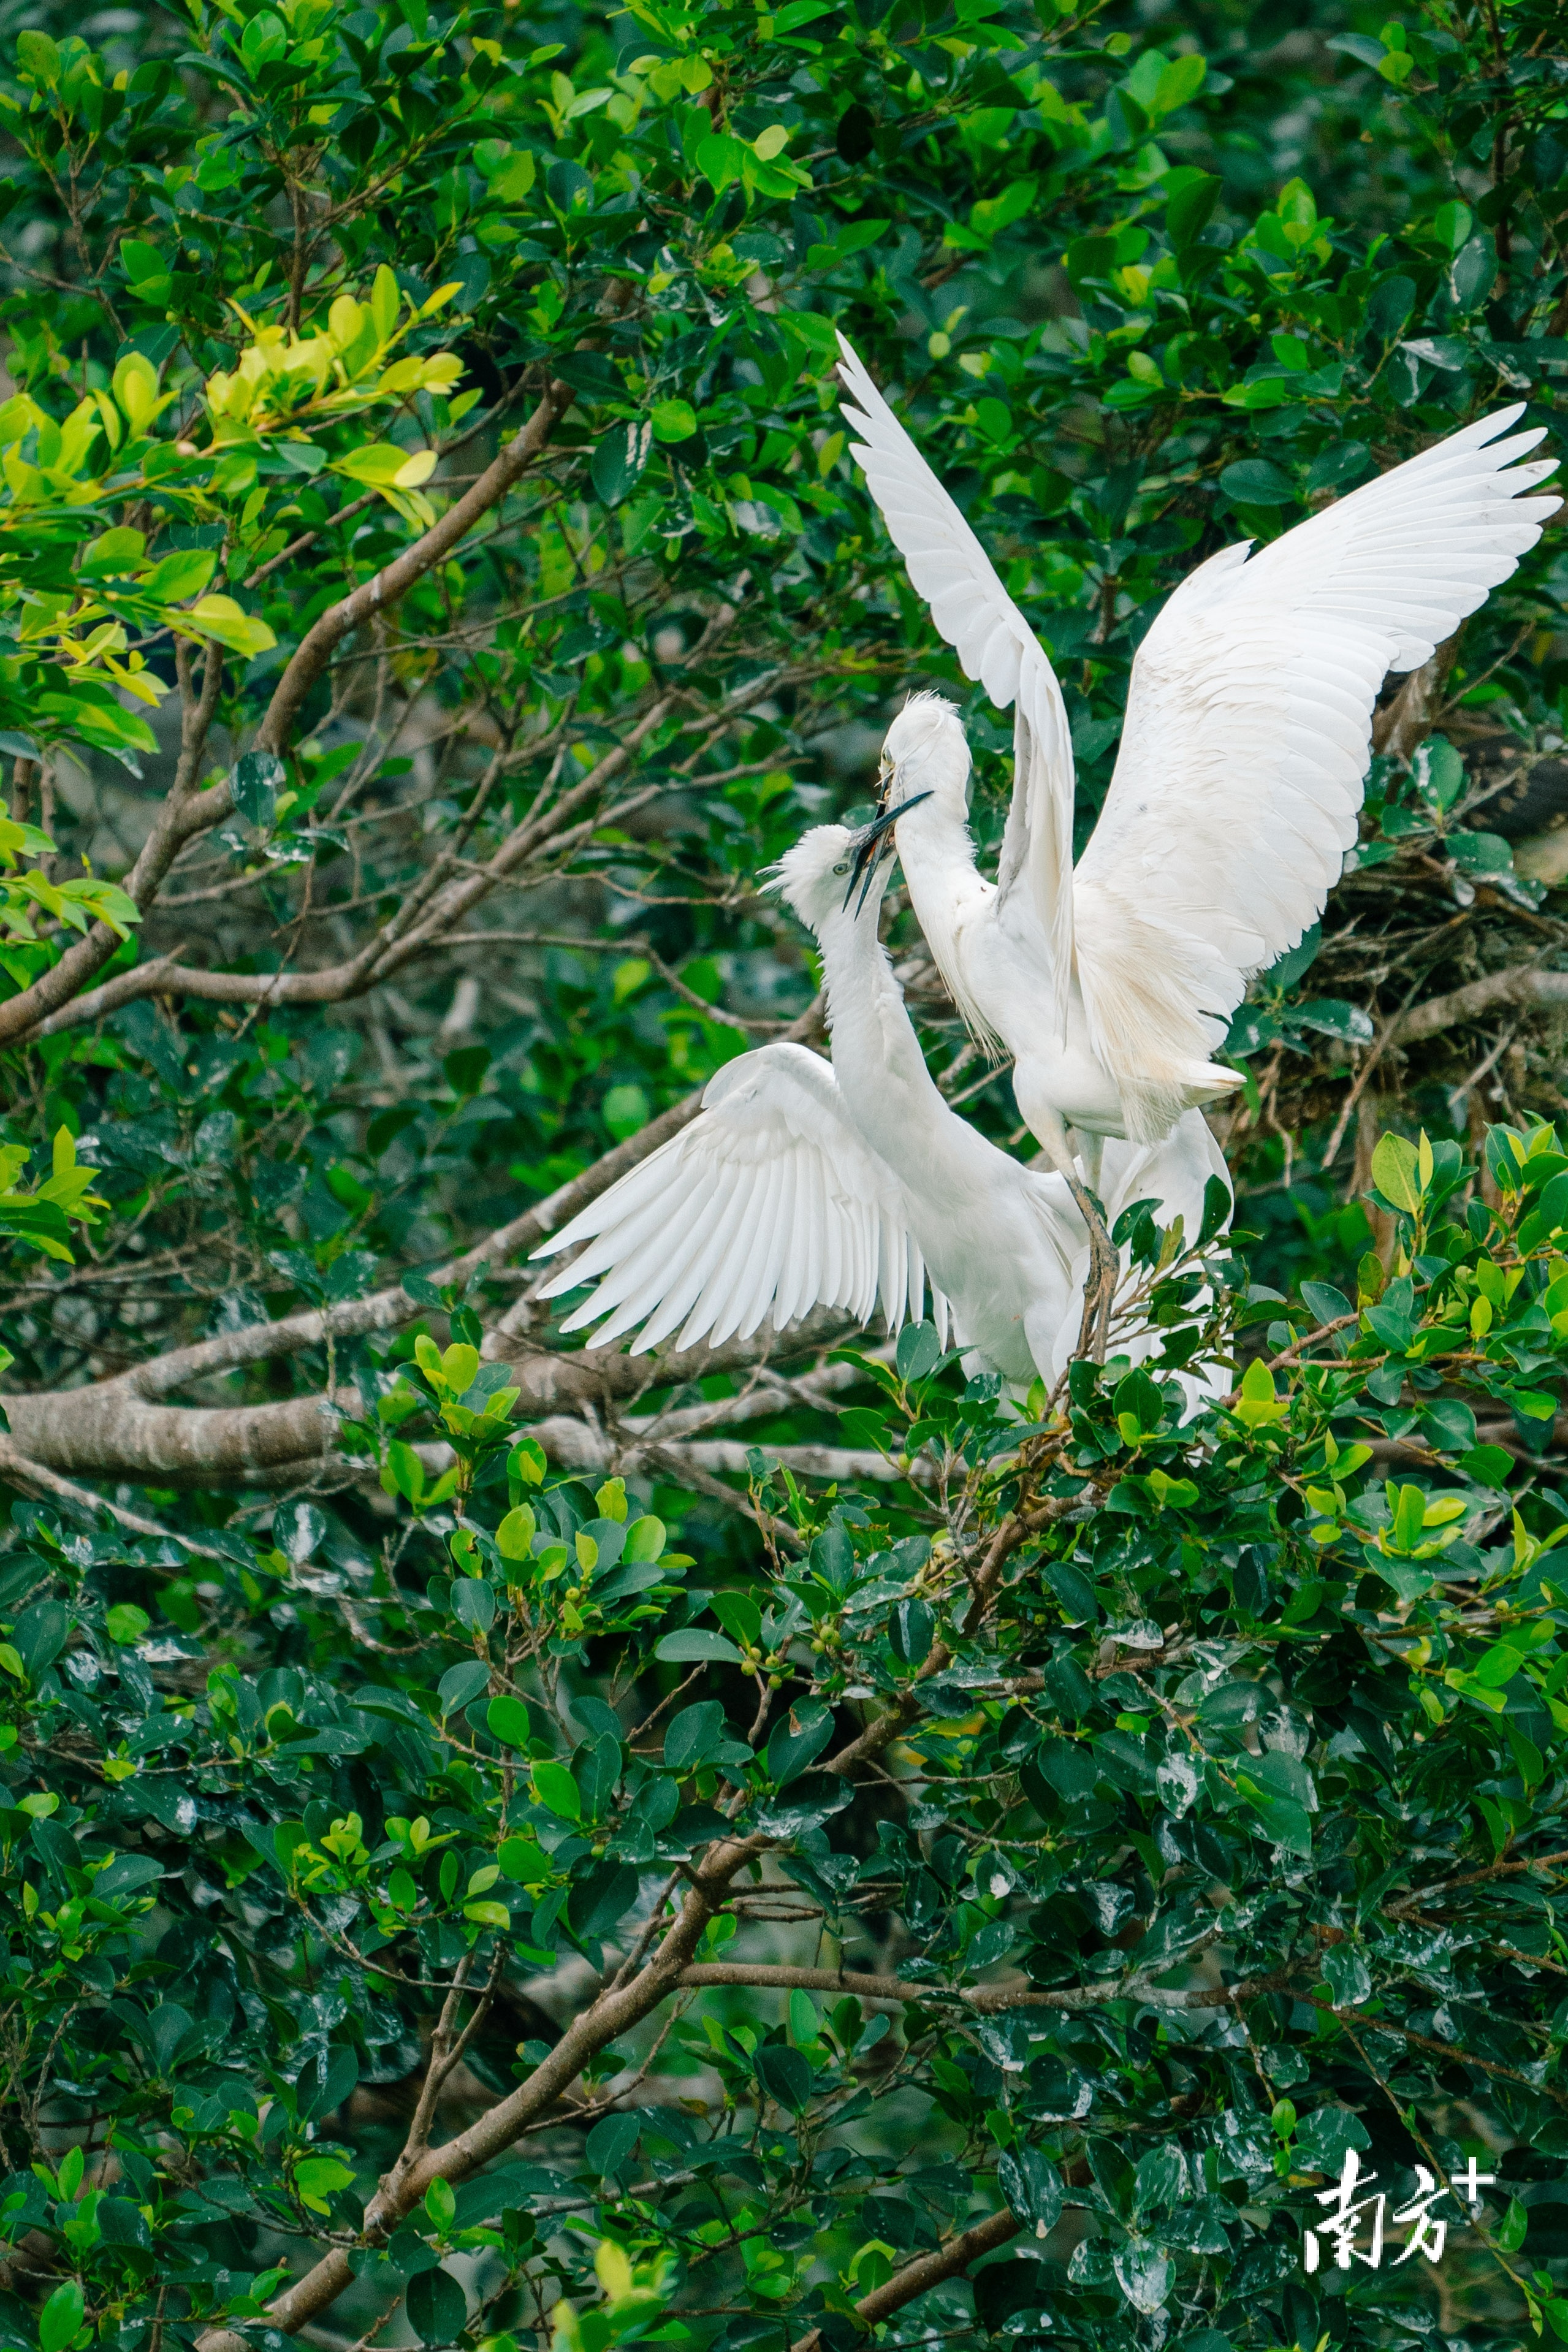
(437, 2306)
(1393, 1171)
(1190, 205)
(62, 2314)
(912, 1629)
(527, 1461)
(645, 1539)
(182, 574)
(1178, 85)
(507, 1719)
(39, 61)
(740, 1615)
(555, 1788)
(1287, 1825)
(785, 2075)
(514, 1537)
(254, 783)
(1452, 227)
(520, 1858)
(919, 1351)
(695, 1644)
(674, 420)
(1255, 482)
(229, 625)
(316, 2177)
(720, 159)
(620, 458)
(1499, 1665)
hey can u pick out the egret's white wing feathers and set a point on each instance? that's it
(768, 1203)
(948, 566)
(1247, 741)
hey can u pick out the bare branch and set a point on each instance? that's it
(1478, 997)
(120, 1428)
(319, 642)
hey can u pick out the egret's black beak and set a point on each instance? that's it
(874, 842)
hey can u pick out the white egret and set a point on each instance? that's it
(1236, 787)
(800, 1185)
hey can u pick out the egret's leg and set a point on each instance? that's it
(1090, 1151)
(1104, 1265)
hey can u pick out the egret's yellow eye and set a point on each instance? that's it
(842, 869)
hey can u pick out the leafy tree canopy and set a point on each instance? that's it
(507, 1843)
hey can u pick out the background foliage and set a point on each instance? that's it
(785, 1849)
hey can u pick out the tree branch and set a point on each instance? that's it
(916, 2278)
(985, 2000)
(322, 640)
(1478, 997)
(186, 812)
(613, 2014)
(120, 1428)
(1404, 722)
(171, 828)
(418, 924)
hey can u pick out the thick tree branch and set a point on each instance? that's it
(985, 2000)
(613, 2014)
(120, 1428)
(34, 1478)
(577, 1445)
(1478, 997)
(111, 1430)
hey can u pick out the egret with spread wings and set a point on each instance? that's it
(1244, 750)
(801, 1184)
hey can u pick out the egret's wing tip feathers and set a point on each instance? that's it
(1249, 724)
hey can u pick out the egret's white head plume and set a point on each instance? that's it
(925, 751)
(812, 878)
(829, 866)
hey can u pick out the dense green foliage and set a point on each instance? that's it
(433, 588)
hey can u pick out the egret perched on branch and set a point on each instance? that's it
(800, 1185)
(1244, 749)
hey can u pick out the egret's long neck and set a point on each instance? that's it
(876, 1056)
(936, 850)
(875, 1049)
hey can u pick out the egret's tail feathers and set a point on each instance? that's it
(1153, 1104)
(1142, 981)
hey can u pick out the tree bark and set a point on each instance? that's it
(916, 2278)
(614, 2013)
(1478, 997)
(122, 1429)
(1403, 724)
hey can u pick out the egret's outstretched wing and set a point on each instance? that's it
(948, 566)
(769, 1202)
(1248, 737)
